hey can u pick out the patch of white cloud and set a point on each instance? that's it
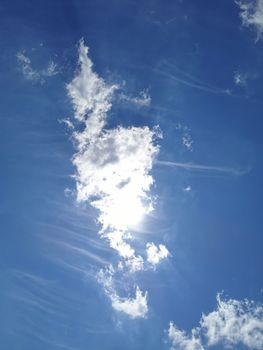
(67, 122)
(142, 100)
(113, 175)
(181, 341)
(187, 140)
(136, 307)
(26, 68)
(251, 13)
(233, 323)
(240, 79)
(90, 95)
(156, 253)
(35, 75)
(51, 70)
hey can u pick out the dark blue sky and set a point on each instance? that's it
(201, 68)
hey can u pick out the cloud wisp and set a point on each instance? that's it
(233, 323)
(251, 13)
(142, 100)
(35, 75)
(179, 76)
(113, 175)
(201, 167)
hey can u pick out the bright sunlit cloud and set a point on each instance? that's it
(233, 323)
(113, 175)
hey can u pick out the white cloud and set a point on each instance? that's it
(26, 68)
(142, 100)
(133, 307)
(113, 175)
(90, 95)
(240, 79)
(51, 70)
(251, 13)
(67, 122)
(187, 140)
(112, 164)
(35, 75)
(136, 307)
(156, 254)
(181, 341)
(233, 323)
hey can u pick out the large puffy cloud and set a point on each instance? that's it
(233, 323)
(251, 13)
(113, 175)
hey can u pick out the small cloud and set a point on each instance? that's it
(26, 68)
(251, 13)
(187, 188)
(51, 70)
(142, 100)
(187, 140)
(240, 79)
(68, 192)
(136, 307)
(133, 307)
(156, 254)
(67, 122)
(35, 75)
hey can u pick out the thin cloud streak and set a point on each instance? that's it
(201, 167)
(193, 83)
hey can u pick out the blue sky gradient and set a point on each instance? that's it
(194, 68)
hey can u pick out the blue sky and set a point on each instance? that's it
(131, 182)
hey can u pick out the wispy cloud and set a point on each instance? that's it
(201, 167)
(233, 323)
(112, 174)
(41, 308)
(26, 68)
(187, 140)
(251, 13)
(32, 74)
(51, 70)
(172, 72)
(240, 79)
(134, 307)
(142, 100)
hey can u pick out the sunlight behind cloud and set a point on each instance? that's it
(113, 175)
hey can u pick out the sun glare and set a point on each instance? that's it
(125, 209)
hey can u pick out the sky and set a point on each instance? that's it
(131, 175)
